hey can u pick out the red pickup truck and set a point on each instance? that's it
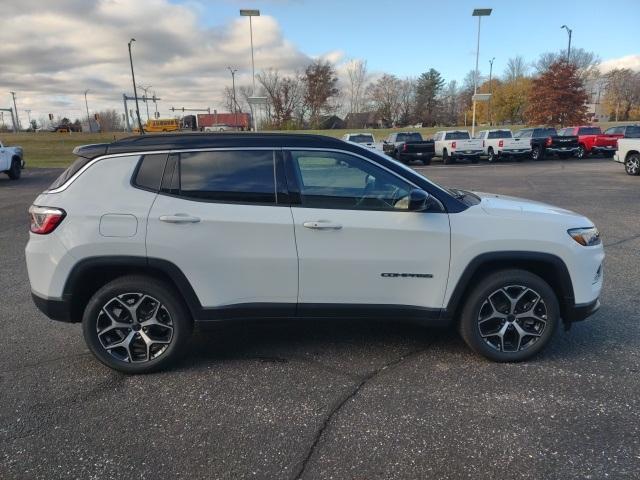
(592, 141)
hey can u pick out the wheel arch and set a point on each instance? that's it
(549, 267)
(631, 152)
(90, 274)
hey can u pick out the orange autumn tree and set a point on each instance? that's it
(557, 97)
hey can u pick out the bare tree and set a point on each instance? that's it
(284, 94)
(623, 92)
(451, 101)
(586, 62)
(407, 100)
(385, 94)
(321, 86)
(357, 75)
(110, 121)
(516, 68)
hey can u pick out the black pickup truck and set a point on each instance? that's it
(546, 141)
(407, 146)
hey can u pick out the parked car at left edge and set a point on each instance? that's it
(591, 140)
(628, 153)
(11, 161)
(407, 146)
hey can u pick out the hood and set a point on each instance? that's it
(504, 205)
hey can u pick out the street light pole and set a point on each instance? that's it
(145, 98)
(569, 31)
(251, 13)
(135, 92)
(490, 88)
(235, 103)
(478, 12)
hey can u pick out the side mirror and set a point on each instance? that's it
(418, 200)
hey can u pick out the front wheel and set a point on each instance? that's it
(510, 316)
(136, 324)
(632, 164)
(15, 170)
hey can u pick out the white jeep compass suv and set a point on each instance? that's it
(142, 238)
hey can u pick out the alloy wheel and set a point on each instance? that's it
(512, 319)
(632, 165)
(134, 327)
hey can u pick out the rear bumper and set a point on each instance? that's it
(515, 152)
(600, 149)
(55, 309)
(416, 155)
(561, 150)
(466, 153)
(581, 311)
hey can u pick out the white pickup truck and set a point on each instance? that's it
(11, 161)
(628, 153)
(499, 143)
(364, 139)
(451, 145)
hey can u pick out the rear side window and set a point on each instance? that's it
(69, 172)
(149, 172)
(500, 134)
(232, 176)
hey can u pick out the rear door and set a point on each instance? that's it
(357, 243)
(221, 219)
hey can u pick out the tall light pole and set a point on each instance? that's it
(251, 13)
(17, 126)
(478, 12)
(235, 104)
(145, 97)
(86, 104)
(569, 31)
(490, 87)
(135, 92)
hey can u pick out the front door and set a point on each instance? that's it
(357, 242)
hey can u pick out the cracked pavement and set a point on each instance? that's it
(336, 399)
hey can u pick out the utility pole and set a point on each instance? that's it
(490, 88)
(155, 103)
(569, 31)
(478, 12)
(86, 104)
(235, 104)
(135, 92)
(28, 116)
(17, 126)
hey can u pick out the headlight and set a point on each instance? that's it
(587, 237)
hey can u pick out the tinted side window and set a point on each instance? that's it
(589, 131)
(149, 172)
(633, 132)
(337, 180)
(232, 176)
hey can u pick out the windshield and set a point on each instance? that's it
(409, 137)
(362, 138)
(461, 135)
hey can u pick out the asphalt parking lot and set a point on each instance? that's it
(337, 400)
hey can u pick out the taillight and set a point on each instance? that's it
(548, 142)
(45, 219)
(501, 143)
(404, 147)
(453, 144)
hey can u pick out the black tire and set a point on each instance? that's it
(537, 153)
(632, 164)
(446, 159)
(582, 152)
(15, 170)
(169, 333)
(540, 321)
(402, 159)
(475, 159)
(426, 161)
(491, 156)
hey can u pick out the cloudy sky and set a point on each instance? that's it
(51, 51)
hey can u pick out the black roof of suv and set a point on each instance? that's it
(181, 141)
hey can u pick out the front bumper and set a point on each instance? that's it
(581, 311)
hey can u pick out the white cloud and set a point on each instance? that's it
(52, 51)
(629, 61)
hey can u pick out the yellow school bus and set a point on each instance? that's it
(161, 125)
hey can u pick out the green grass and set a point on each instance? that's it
(47, 150)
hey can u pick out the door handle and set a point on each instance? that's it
(179, 218)
(322, 225)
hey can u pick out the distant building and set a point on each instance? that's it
(364, 120)
(330, 122)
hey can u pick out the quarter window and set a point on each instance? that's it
(337, 180)
(149, 174)
(232, 176)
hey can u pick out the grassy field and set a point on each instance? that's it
(45, 149)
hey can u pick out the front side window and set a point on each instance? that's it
(231, 176)
(338, 180)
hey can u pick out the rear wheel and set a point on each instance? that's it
(632, 164)
(491, 157)
(136, 324)
(510, 316)
(426, 161)
(446, 159)
(15, 171)
(537, 153)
